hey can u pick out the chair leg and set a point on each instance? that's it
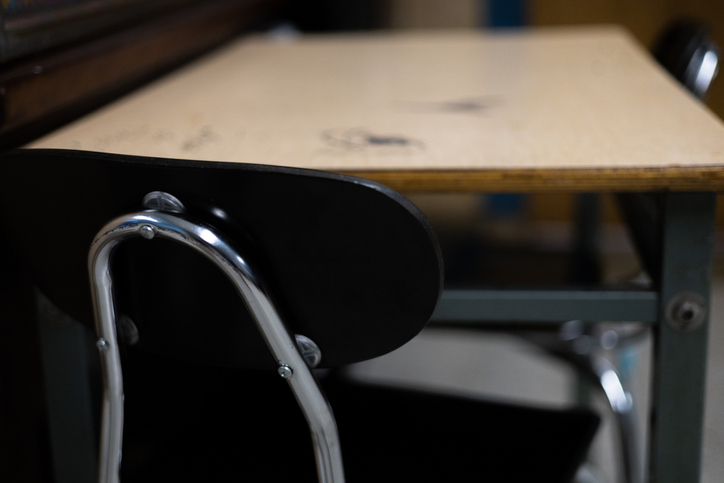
(213, 245)
(111, 443)
(620, 401)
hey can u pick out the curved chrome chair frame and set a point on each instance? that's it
(620, 401)
(214, 246)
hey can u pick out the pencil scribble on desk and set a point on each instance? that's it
(204, 137)
(160, 136)
(361, 140)
(475, 105)
(120, 136)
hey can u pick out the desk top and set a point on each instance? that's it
(535, 110)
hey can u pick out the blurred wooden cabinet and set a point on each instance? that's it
(62, 61)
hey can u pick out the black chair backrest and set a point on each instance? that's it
(349, 263)
(686, 50)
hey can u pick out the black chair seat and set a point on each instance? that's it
(244, 425)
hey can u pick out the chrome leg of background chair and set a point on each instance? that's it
(621, 403)
(213, 245)
(582, 349)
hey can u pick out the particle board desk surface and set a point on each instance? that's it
(565, 109)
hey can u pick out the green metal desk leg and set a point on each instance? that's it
(680, 340)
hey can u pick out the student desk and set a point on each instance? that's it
(559, 110)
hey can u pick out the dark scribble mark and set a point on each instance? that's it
(387, 140)
(358, 139)
(476, 105)
(462, 106)
(205, 136)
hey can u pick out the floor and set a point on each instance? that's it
(503, 367)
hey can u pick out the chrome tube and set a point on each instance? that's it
(621, 403)
(109, 459)
(214, 246)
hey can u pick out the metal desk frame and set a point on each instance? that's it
(686, 227)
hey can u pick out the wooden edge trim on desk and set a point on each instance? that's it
(698, 178)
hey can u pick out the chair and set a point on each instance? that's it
(213, 284)
(686, 50)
